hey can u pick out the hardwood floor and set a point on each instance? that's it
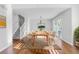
(69, 49)
(66, 49)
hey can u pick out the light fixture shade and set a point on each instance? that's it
(41, 26)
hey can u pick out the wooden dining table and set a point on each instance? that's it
(40, 33)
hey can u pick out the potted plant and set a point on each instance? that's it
(76, 36)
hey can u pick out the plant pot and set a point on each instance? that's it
(76, 43)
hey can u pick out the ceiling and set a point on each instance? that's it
(35, 11)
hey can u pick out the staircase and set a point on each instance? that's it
(21, 25)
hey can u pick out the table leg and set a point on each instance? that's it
(33, 40)
(47, 40)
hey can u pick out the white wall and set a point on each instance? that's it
(3, 39)
(6, 33)
(3, 35)
(66, 30)
(9, 24)
(28, 25)
(67, 26)
(15, 21)
(15, 25)
(75, 18)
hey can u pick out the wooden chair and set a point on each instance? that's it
(51, 38)
(27, 38)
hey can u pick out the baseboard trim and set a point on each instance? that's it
(5, 47)
(67, 43)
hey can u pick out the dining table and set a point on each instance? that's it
(40, 33)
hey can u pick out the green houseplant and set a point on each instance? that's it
(76, 36)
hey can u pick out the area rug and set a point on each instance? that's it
(19, 45)
(38, 51)
(40, 47)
